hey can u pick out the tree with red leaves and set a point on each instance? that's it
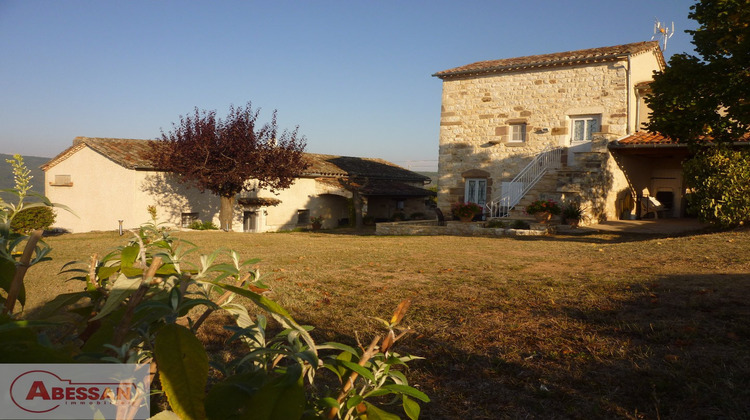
(223, 155)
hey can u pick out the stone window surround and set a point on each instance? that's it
(589, 116)
(522, 131)
(505, 132)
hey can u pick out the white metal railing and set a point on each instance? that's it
(512, 192)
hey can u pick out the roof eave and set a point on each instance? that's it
(555, 63)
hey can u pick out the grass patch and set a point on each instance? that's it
(583, 326)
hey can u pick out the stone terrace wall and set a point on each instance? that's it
(431, 228)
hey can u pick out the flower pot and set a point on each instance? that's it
(317, 226)
(543, 216)
(466, 219)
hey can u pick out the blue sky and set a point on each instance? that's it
(355, 76)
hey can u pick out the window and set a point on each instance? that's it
(187, 219)
(583, 127)
(476, 191)
(62, 180)
(517, 133)
(303, 216)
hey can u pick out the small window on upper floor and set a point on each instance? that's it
(62, 181)
(517, 133)
(583, 127)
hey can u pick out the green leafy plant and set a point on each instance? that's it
(19, 251)
(462, 210)
(495, 223)
(203, 225)
(31, 219)
(572, 212)
(316, 219)
(719, 183)
(146, 301)
(418, 216)
(540, 206)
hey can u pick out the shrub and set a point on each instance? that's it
(719, 180)
(463, 210)
(399, 215)
(520, 224)
(540, 206)
(144, 303)
(418, 216)
(495, 223)
(205, 225)
(32, 218)
(368, 220)
(572, 212)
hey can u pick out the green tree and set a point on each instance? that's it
(703, 101)
(720, 179)
(707, 95)
(223, 155)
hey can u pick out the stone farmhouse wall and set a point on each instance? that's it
(477, 113)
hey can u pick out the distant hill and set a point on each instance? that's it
(32, 162)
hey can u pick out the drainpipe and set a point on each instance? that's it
(627, 93)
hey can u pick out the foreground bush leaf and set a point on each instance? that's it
(183, 369)
(165, 415)
(123, 287)
(374, 413)
(407, 390)
(231, 398)
(278, 399)
(411, 408)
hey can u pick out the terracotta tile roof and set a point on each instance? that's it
(373, 187)
(129, 153)
(393, 188)
(650, 139)
(132, 154)
(644, 138)
(567, 58)
(332, 165)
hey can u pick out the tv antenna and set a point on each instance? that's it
(662, 31)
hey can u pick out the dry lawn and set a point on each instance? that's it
(580, 326)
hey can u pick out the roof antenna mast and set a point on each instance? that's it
(663, 32)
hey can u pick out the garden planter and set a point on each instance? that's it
(543, 216)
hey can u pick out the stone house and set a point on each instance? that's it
(105, 181)
(538, 127)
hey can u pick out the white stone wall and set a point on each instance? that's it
(103, 192)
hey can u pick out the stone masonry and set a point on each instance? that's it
(479, 109)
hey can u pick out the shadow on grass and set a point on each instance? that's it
(678, 348)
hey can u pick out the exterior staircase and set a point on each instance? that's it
(549, 177)
(530, 176)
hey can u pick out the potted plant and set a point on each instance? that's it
(317, 222)
(465, 211)
(572, 214)
(543, 210)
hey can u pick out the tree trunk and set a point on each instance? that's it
(226, 213)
